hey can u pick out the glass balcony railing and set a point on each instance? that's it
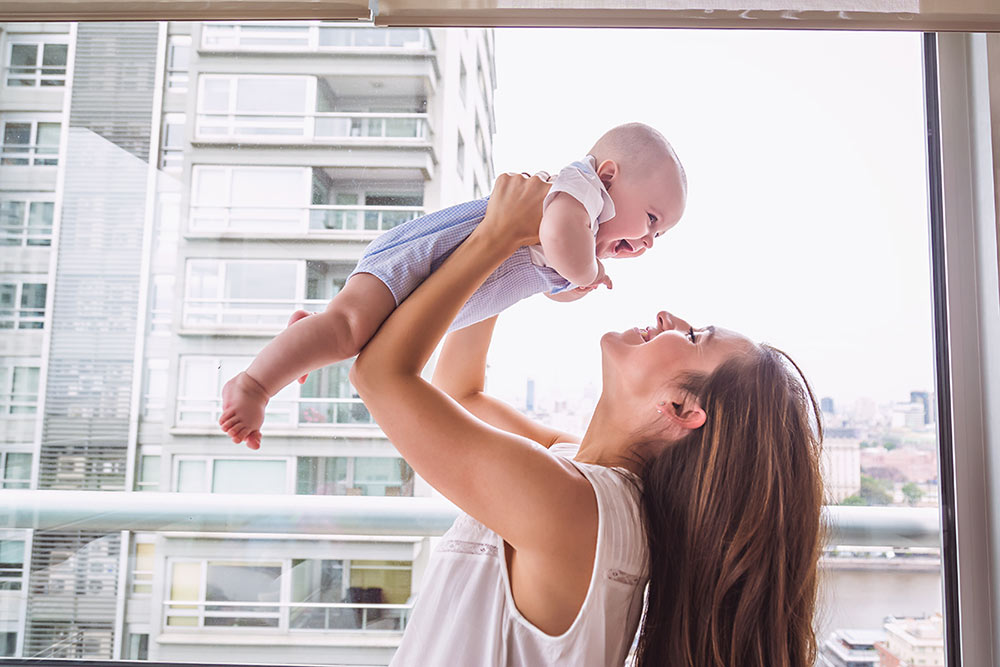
(291, 37)
(319, 127)
(29, 155)
(288, 412)
(365, 222)
(245, 314)
(186, 615)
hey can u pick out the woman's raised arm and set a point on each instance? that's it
(461, 373)
(508, 482)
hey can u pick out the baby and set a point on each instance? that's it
(627, 191)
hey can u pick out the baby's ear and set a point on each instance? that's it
(607, 171)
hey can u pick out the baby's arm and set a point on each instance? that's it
(567, 240)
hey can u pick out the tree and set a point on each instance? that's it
(853, 500)
(912, 493)
(874, 491)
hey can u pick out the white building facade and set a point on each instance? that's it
(168, 203)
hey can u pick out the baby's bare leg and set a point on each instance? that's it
(339, 332)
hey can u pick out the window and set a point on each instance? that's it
(15, 470)
(155, 390)
(22, 304)
(361, 476)
(29, 142)
(355, 595)
(224, 594)
(172, 142)
(265, 107)
(36, 63)
(253, 200)
(204, 475)
(249, 294)
(178, 61)
(138, 647)
(8, 644)
(18, 388)
(11, 564)
(460, 156)
(26, 220)
(148, 477)
(142, 568)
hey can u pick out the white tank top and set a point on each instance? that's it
(465, 614)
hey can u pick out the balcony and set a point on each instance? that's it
(282, 413)
(319, 127)
(288, 37)
(321, 221)
(186, 615)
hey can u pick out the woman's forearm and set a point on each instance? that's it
(407, 339)
(461, 366)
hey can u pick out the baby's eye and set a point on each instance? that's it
(652, 218)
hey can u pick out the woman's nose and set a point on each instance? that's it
(667, 321)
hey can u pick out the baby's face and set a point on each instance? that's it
(646, 206)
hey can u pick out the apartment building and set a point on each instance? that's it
(170, 193)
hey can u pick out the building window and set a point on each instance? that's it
(460, 156)
(137, 648)
(36, 63)
(15, 470)
(25, 221)
(22, 304)
(353, 476)
(172, 142)
(148, 477)
(226, 587)
(142, 568)
(207, 475)
(352, 594)
(8, 644)
(154, 393)
(18, 388)
(11, 565)
(248, 294)
(178, 61)
(254, 106)
(29, 143)
(255, 200)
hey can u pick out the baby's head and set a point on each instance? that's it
(647, 184)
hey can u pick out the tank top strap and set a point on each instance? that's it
(622, 542)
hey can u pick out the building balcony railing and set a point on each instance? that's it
(185, 615)
(315, 127)
(23, 234)
(313, 37)
(25, 155)
(244, 315)
(294, 413)
(360, 222)
(22, 318)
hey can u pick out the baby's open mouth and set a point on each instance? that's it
(623, 246)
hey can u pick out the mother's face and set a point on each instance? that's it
(644, 358)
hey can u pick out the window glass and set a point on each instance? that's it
(192, 476)
(242, 582)
(185, 586)
(248, 476)
(25, 390)
(321, 475)
(149, 473)
(17, 470)
(11, 564)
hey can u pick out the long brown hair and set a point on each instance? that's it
(732, 516)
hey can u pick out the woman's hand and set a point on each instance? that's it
(515, 208)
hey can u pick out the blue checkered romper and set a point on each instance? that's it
(406, 254)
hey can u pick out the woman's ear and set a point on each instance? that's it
(688, 415)
(607, 171)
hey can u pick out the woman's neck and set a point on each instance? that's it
(608, 441)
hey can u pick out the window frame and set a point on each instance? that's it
(31, 153)
(41, 40)
(21, 232)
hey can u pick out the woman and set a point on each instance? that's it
(698, 472)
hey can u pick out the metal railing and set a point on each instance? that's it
(290, 37)
(315, 126)
(318, 219)
(289, 412)
(25, 234)
(360, 515)
(30, 76)
(22, 318)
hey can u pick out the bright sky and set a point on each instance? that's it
(806, 224)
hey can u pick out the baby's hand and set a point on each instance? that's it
(243, 403)
(583, 290)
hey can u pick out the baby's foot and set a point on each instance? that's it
(243, 403)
